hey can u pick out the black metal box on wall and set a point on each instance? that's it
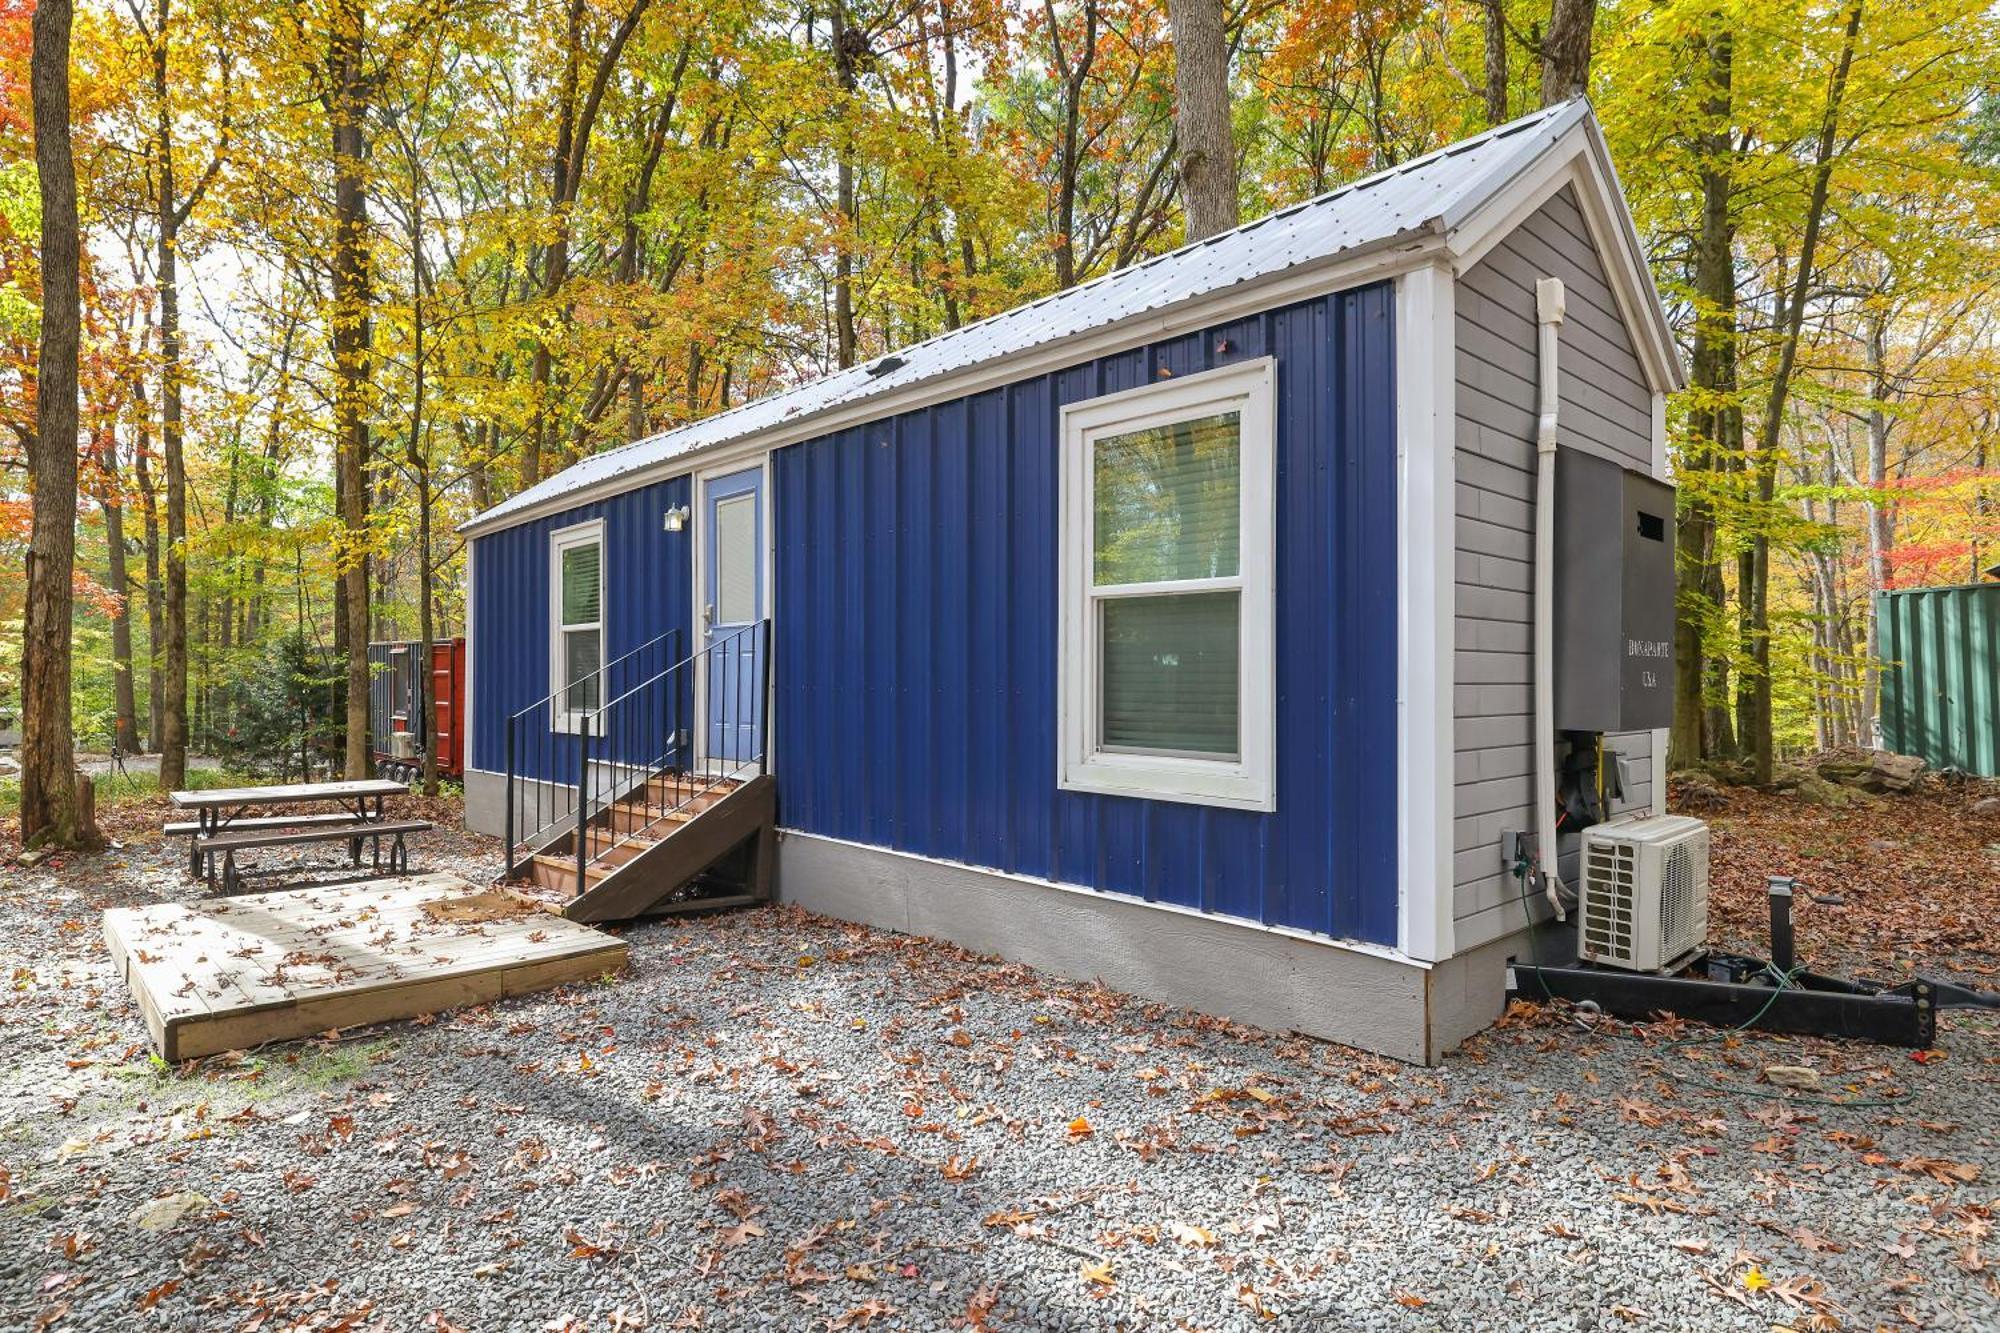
(1614, 596)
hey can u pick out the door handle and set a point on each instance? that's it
(707, 614)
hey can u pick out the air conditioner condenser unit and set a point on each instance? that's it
(1643, 893)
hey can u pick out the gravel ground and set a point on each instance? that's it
(774, 1121)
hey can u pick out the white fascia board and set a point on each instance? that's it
(1426, 500)
(1579, 159)
(1343, 272)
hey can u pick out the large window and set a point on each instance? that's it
(1167, 555)
(576, 615)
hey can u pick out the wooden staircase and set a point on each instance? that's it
(611, 813)
(658, 839)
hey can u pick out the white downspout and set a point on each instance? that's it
(1548, 320)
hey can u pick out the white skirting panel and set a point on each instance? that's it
(1359, 996)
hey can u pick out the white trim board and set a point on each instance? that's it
(1580, 158)
(1426, 590)
(697, 529)
(470, 706)
(1248, 779)
(590, 530)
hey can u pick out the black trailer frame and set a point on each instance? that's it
(1740, 991)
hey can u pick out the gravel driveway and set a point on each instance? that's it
(779, 1122)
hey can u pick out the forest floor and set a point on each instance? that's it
(778, 1121)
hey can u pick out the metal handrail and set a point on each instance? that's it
(617, 661)
(638, 734)
(550, 741)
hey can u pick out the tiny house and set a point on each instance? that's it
(1178, 629)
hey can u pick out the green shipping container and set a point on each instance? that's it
(1941, 675)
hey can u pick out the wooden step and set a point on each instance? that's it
(634, 817)
(690, 789)
(608, 847)
(559, 873)
(747, 811)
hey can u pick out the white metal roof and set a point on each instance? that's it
(1427, 196)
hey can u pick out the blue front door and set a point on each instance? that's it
(732, 614)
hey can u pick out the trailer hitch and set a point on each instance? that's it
(1768, 995)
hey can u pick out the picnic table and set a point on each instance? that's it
(215, 811)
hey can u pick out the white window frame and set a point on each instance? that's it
(561, 717)
(1249, 781)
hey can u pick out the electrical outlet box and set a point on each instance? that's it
(1614, 596)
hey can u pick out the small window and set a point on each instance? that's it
(1167, 558)
(576, 585)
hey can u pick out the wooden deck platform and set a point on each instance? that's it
(232, 973)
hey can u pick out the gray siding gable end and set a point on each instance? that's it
(1606, 409)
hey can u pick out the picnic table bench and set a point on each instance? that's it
(226, 845)
(226, 809)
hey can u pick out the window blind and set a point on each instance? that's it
(1169, 673)
(580, 565)
(1168, 502)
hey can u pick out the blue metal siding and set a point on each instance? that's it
(916, 613)
(648, 582)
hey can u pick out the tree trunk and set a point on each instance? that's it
(1711, 414)
(1201, 110)
(156, 684)
(1881, 514)
(1566, 50)
(1760, 744)
(1073, 68)
(51, 812)
(1982, 508)
(572, 147)
(850, 48)
(125, 705)
(350, 337)
(173, 652)
(1496, 61)
(419, 462)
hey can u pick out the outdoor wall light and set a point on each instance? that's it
(677, 518)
